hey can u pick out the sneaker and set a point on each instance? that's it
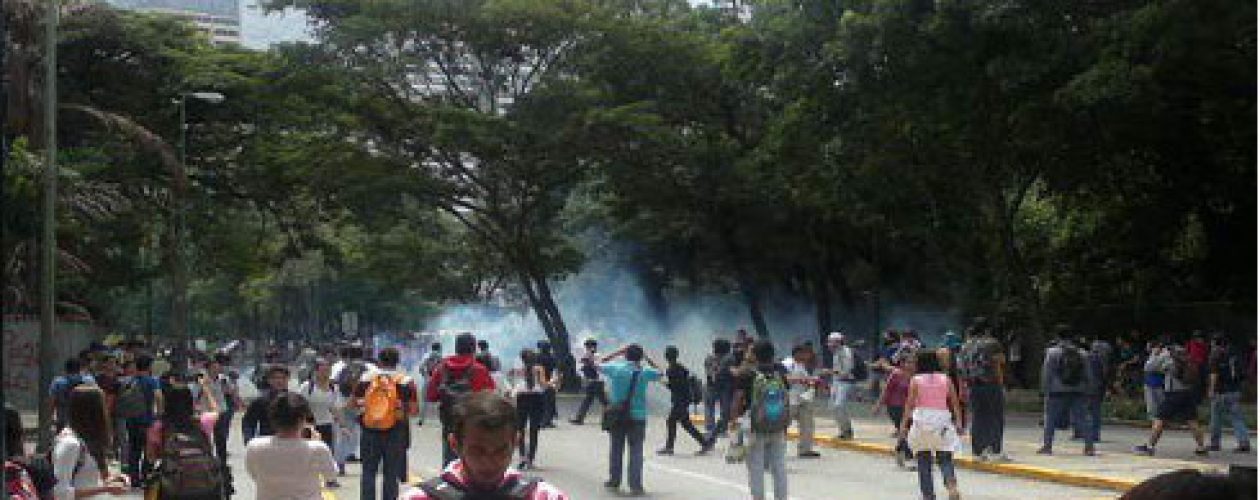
(706, 449)
(575, 422)
(609, 485)
(1089, 451)
(809, 454)
(845, 436)
(1244, 448)
(332, 485)
(1201, 452)
(637, 492)
(354, 459)
(1144, 450)
(1045, 450)
(664, 451)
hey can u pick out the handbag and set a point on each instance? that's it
(617, 417)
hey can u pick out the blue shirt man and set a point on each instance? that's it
(626, 441)
(619, 374)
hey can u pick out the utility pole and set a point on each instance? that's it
(48, 266)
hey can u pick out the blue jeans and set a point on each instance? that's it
(1063, 407)
(766, 453)
(1221, 405)
(946, 461)
(719, 400)
(386, 452)
(633, 436)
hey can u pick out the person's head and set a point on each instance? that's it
(484, 437)
(763, 352)
(591, 345)
(671, 354)
(73, 366)
(14, 435)
(88, 420)
(634, 353)
(835, 340)
(908, 362)
(215, 363)
(465, 344)
(278, 377)
(483, 345)
(144, 363)
(323, 369)
(1187, 484)
(927, 361)
(178, 407)
(288, 413)
(108, 365)
(528, 356)
(389, 357)
(721, 347)
(436, 347)
(800, 353)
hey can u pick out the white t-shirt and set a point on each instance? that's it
(322, 401)
(73, 466)
(289, 468)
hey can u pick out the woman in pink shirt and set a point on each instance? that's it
(931, 422)
(896, 390)
(180, 415)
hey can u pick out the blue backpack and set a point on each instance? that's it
(769, 409)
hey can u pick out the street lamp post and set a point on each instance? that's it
(179, 271)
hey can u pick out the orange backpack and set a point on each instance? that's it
(382, 403)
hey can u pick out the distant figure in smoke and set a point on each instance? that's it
(548, 362)
(678, 380)
(593, 383)
(719, 387)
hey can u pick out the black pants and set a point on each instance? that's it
(137, 464)
(549, 416)
(988, 419)
(594, 391)
(680, 414)
(895, 413)
(328, 434)
(222, 428)
(384, 453)
(530, 409)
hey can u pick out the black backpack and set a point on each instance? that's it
(452, 391)
(1071, 366)
(440, 488)
(188, 469)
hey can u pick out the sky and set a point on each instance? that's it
(259, 30)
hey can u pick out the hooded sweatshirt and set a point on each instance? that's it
(456, 366)
(454, 475)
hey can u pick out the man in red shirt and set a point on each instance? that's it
(1197, 349)
(456, 377)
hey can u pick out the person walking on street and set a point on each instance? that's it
(1065, 376)
(387, 397)
(289, 464)
(528, 385)
(843, 383)
(678, 380)
(628, 382)
(1181, 398)
(80, 449)
(223, 393)
(182, 440)
(932, 423)
(548, 361)
(983, 366)
(719, 383)
(484, 433)
(427, 365)
(1153, 380)
(1228, 372)
(802, 375)
(454, 379)
(321, 394)
(896, 390)
(763, 407)
(347, 372)
(138, 401)
(592, 382)
(1096, 388)
(255, 422)
(62, 386)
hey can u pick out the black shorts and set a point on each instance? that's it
(1180, 406)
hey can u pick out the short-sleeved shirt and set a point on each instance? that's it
(150, 386)
(286, 468)
(619, 374)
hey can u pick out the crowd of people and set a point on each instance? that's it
(169, 428)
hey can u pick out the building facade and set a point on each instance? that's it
(218, 19)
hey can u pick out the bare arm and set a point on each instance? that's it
(956, 407)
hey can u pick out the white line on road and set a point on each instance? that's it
(704, 477)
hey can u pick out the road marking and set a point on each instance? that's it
(704, 477)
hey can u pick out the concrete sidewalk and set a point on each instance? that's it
(1114, 467)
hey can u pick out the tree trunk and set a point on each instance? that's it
(559, 337)
(748, 286)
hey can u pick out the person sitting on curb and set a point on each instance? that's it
(484, 436)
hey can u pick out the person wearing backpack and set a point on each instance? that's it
(293, 463)
(763, 408)
(1065, 376)
(61, 388)
(79, 451)
(137, 402)
(387, 397)
(455, 378)
(982, 365)
(484, 431)
(678, 380)
(625, 419)
(1228, 372)
(183, 442)
(1181, 399)
(932, 423)
(844, 382)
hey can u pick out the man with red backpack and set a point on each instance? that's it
(454, 379)
(387, 397)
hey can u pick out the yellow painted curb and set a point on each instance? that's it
(1008, 469)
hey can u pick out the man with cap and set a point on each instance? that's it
(843, 383)
(593, 383)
